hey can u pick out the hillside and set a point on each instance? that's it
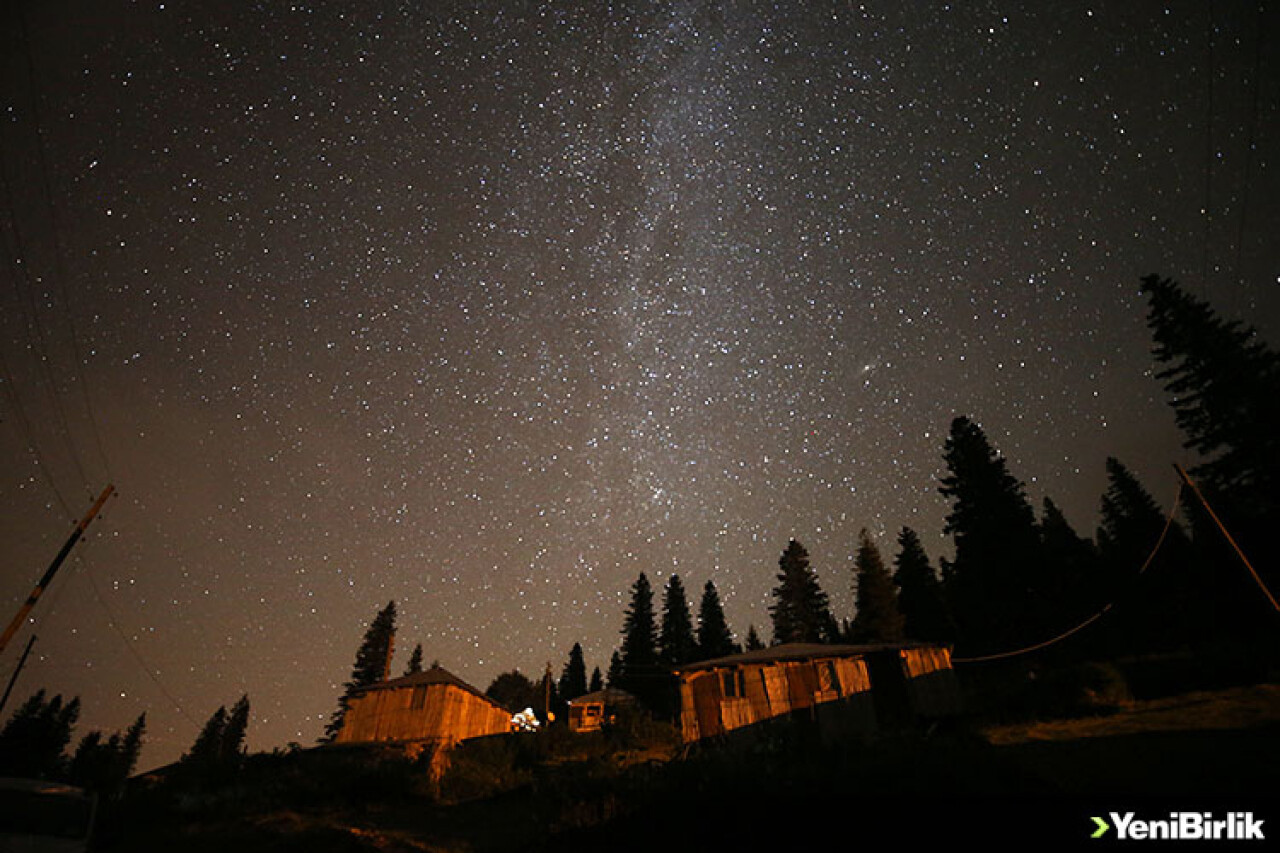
(633, 790)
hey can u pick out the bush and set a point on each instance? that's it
(489, 765)
(1080, 690)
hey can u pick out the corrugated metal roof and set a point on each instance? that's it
(796, 651)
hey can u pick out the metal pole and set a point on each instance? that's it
(13, 679)
(53, 568)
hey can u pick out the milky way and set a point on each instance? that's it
(486, 308)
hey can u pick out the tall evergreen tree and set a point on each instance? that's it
(1223, 383)
(597, 681)
(573, 680)
(639, 658)
(415, 661)
(800, 610)
(34, 740)
(91, 764)
(878, 619)
(1224, 387)
(995, 585)
(676, 643)
(1075, 579)
(754, 643)
(372, 660)
(206, 753)
(614, 677)
(1156, 613)
(103, 766)
(231, 749)
(131, 746)
(714, 637)
(924, 614)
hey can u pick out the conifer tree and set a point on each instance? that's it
(1156, 602)
(415, 661)
(597, 681)
(754, 643)
(1223, 383)
(878, 619)
(131, 746)
(800, 610)
(995, 585)
(924, 615)
(231, 749)
(34, 740)
(206, 752)
(573, 680)
(90, 764)
(1075, 579)
(372, 659)
(613, 678)
(676, 643)
(715, 640)
(1224, 387)
(639, 663)
(103, 766)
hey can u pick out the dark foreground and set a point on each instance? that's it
(1035, 782)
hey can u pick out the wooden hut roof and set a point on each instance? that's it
(795, 652)
(434, 675)
(608, 696)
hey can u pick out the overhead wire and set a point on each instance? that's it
(1168, 523)
(1208, 153)
(38, 343)
(1250, 138)
(55, 231)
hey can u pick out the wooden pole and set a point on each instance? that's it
(1275, 605)
(53, 568)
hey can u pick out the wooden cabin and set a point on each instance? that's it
(593, 711)
(430, 707)
(875, 686)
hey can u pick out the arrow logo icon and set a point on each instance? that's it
(1102, 828)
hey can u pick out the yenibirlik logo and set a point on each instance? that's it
(1182, 826)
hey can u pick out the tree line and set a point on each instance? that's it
(1147, 581)
(1019, 578)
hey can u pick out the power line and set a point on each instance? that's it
(1208, 148)
(60, 274)
(1168, 523)
(1259, 40)
(25, 286)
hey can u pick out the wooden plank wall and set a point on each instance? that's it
(772, 689)
(446, 712)
(931, 682)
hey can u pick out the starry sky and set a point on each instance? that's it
(488, 307)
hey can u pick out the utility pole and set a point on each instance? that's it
(53, 568)
(13, 679)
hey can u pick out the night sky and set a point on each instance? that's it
(488, 307)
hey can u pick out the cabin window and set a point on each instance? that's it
(419, 700)
(827, 679)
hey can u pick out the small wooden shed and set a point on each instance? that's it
(876, 685)
(592, 711)
(430, 706)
